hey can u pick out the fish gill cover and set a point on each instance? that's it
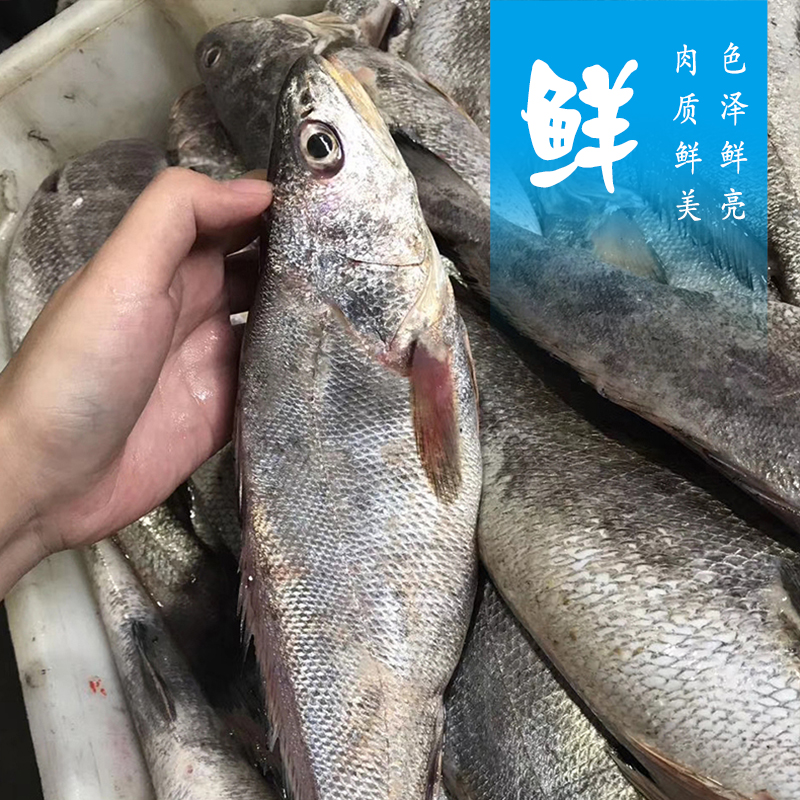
(638, 130)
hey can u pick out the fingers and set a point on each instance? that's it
(241, 276)
(162, 226)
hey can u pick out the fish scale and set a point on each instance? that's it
(513, 731)
(449, 44)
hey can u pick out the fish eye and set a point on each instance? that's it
(321, 147)
(212, 56)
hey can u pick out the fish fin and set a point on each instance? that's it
(471, 362)
(433, 790)
(640, 781)
(747, 482)
(262, 624)
(618, 240)
(374, 26)
(670, 779)
(435, 416)
(153, 681)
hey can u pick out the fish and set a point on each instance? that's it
(70, 216)
(187, 749)
(197, 140)
(666, 598)
(638, 232)
(449, 44)
(188, 571)
(708, 373)
(783, 133)
(358, 456)
(214, 491)
(513, 731)
(243, 66)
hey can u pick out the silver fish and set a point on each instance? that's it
(66, 222)
(658, 591)
(186, 570)
(187, 749)
(358, 455)
(783, 158)
(513, 731)
(450, 45)
(197, 140)
(706, 372)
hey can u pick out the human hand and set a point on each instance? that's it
(126, 382)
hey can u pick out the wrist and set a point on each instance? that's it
(21, 546)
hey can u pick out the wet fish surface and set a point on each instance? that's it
(243, 80)
(663, 596)
(188, 751)
(513, 731)
(450, 45)
(69, 218)
(358, 455)
(783, 157)
(709, 375)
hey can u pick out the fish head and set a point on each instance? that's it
(243, 66)
(346, 209)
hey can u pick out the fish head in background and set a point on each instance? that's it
(375, 262)
(244, 64)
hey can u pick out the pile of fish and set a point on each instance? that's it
(634, 628)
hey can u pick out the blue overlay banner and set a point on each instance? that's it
(637, 130)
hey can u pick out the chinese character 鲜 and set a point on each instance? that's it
(687, 205)
(733, 205)
(686, 106)
(687, 155)
(552, 129)
(731, 56)
(686, 58)
(731, 154)
(734, 108)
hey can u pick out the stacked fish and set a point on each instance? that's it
(636, 630)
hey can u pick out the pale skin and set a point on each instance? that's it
(126, 382)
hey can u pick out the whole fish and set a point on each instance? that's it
(187, 749)
(513, 731)
(660, 593)
(70, 216)
(197, 140)
(358, 456)
(449, 44)
(703, 371)
(783, 158)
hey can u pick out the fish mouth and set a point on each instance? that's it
(391, 262)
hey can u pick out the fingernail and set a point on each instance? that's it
(250, 186)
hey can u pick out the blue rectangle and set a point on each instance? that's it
(709, 52)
